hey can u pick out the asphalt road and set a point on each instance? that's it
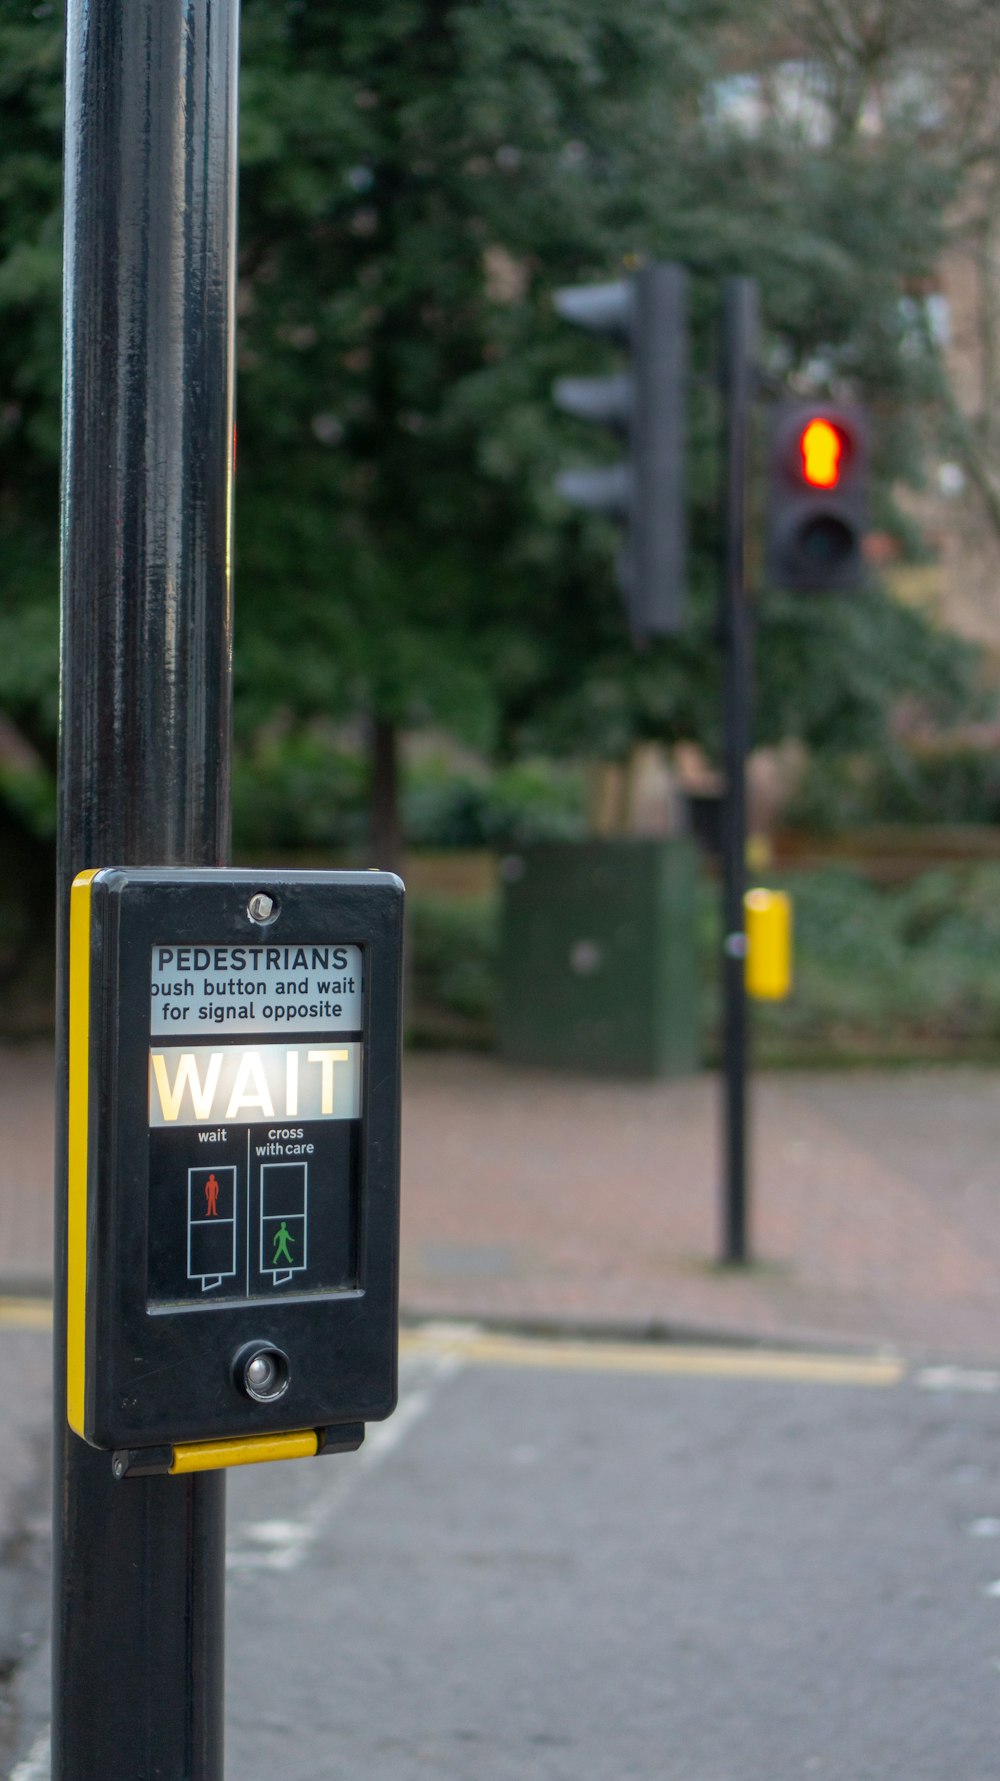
(560, 1563)
(587, 1576)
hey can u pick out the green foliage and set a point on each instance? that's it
(298, 787)
(30, 287)
(899, 785)
(452, 951)
(529, 800)
(906, 973)
(829, 670)
(29, 792)
(416, 179)
(911, 971)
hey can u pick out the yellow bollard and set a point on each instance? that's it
(768, 916)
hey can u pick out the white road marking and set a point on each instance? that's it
(977, 1379)
(37, 1765)
(437, 1351)
(283, 1545)
(956, 1379)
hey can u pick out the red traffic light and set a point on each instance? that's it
(818, 505)
(821, 446)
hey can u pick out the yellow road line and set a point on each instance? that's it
(560, 1354)
(25, 1314)
(479, 1348)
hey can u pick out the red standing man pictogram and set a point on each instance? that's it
(212, 1197)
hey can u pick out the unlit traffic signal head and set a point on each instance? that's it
(818, 497)
(645, 490)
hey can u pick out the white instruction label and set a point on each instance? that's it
(254, 989)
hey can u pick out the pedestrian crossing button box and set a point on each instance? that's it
(233, 1160)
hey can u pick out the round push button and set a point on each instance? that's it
(262, 1372)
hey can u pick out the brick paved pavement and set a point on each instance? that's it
(540, 1198)
(534, 1196)
(26, 1151)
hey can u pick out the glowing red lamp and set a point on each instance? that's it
(822, 447)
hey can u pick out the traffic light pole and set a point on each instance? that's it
(739, 332)
(144, 768)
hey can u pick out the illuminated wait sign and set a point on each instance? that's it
(247, 1085)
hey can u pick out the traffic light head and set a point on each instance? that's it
(818, 497)
(645, 404)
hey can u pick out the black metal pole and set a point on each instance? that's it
(144, 771)
(739, 330)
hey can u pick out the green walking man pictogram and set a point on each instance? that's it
(281, 1250)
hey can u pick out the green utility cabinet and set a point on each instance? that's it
(598, 965)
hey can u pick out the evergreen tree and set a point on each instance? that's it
(417, 182)
(416, 179)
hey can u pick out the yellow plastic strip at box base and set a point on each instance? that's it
(211, 1456)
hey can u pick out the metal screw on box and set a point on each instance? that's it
(150, 180)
